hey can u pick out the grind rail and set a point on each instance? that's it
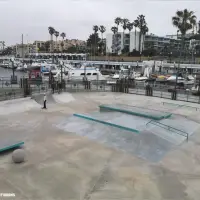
(181, 105)
(170, 128)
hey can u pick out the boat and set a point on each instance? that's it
(88, 73)
(195, 90)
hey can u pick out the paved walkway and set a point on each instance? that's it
(61, 165)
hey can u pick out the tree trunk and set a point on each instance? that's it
(140, 41)
(95, 40)
(143, 36)
(135, 39)
(102, 43)
(123, 39)
(129, 40)
(51, 43)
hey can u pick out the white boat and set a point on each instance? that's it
(195, 90)
(173, 78)
(89, 73)
(142, 78)
(46, 69)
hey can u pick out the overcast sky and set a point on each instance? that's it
(76, 17)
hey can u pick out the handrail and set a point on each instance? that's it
(181, 105)
(169, 127)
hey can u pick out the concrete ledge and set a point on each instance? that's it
(137, 113)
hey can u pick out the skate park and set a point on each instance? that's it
(90, 145)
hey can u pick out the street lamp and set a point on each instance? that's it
(170, 56)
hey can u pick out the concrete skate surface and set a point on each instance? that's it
(64, 165)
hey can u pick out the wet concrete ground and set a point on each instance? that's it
(61, 165)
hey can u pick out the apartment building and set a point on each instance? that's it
(59, 45)
(116, 43)
(24, 50)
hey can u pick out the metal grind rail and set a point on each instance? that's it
(170, 128)
(181, 105)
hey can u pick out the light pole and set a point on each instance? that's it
(170, 56)
(194, 56)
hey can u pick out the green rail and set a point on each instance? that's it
(136, 113)
(182, 133)
(106, 123)
(17, 145)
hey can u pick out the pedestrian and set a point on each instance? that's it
(53, 86)
(45, 101)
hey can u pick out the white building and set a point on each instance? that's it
(116, 43)
(23, 50)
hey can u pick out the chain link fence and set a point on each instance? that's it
(24, 89)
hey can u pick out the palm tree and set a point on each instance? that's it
(95, 29)
(114, 29)
(63, 35)
(124, 23)
(56, 35)
(144, 30)
(198, 31)
(130, 27)
(51, 32)
(184, 20)
(118, 21)
(135, 24)
(102, 29)
(141, 22)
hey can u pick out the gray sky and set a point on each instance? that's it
(76, 17)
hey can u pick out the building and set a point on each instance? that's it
(59, 46)
(39, 44)
(24, 50)
(116, 43)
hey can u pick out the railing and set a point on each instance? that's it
(131, 87)
(12, 94)
(167, 127)
(181, 105)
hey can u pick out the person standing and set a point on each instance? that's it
(45, 101)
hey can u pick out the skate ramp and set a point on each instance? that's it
(118, 119)
(39, 98)
(63, 98)
(86, 117)
(168, 133)
(138, 111)
(145, 145)
(17, 106)
(182, 109)
(181, 123)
